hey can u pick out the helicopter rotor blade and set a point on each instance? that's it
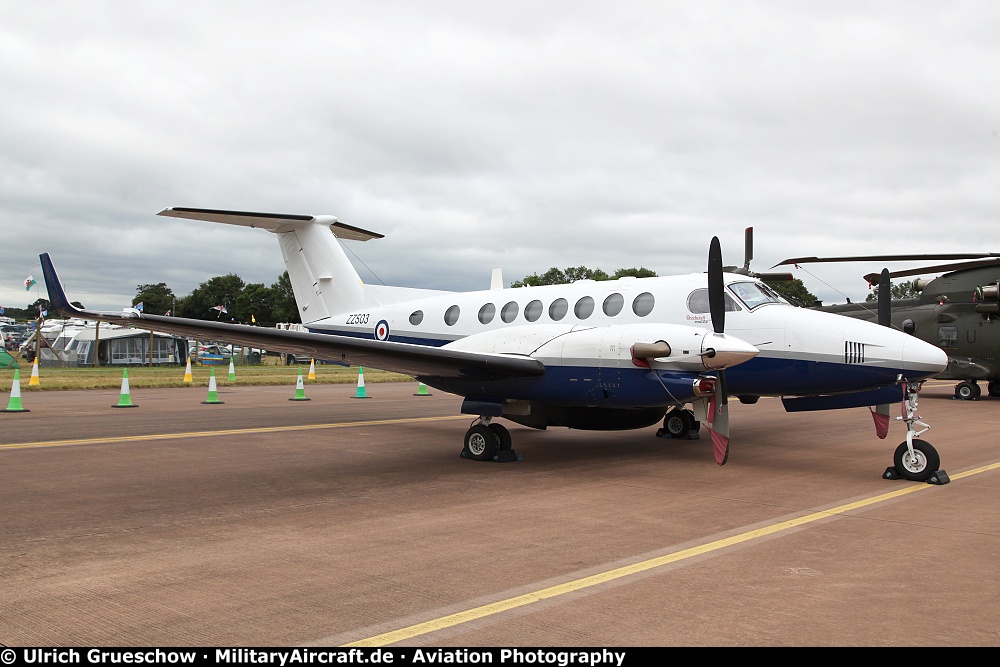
(885, 258)
(872, 278)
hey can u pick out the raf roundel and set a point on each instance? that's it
(382, 330)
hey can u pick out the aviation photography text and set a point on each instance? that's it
(589, 657)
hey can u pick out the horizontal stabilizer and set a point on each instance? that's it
(274, 222)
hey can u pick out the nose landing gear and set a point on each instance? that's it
(914, 459)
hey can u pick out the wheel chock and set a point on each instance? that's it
(939, 477)
(502, 456)
(891, 473)
(506, 456)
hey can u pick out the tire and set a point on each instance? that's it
(481, 443)
(255, 357)
(678, 423)
(503, 436)
(994, 389)
(924, 463)
(966, 391)
(289, 359)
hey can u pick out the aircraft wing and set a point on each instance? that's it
(415, 360)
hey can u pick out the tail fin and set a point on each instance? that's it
(323, 279)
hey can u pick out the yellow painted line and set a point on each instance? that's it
(629, 570)
(235, 431)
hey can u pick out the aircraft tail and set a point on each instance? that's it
(323, 279)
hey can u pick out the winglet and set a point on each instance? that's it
(57, 295)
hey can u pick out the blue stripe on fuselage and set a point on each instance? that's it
(636, 387)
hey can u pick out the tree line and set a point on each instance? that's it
(794, 290)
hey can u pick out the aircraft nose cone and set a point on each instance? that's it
(923, 358)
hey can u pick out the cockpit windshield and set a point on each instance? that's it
(755, 294)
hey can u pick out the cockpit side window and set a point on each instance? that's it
(754, 294)
(698, 302)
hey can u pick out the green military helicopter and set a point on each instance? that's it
(958, 311)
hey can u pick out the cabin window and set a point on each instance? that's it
(558, 309)
(487, 313)
(613, 304)
(698, 302)
(509, 312)
(533, 311)
(643, 304)
(584, 308)
(416, 317)
(451, 315)
(948, 337)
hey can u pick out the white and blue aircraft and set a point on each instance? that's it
(613, 355)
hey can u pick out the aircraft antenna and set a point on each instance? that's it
(348, 249)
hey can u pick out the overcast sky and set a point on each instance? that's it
(520, 135)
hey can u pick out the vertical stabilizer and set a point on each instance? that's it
(323, 279)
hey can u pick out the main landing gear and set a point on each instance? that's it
(915, 459)
(485, 441)
(680, 424)
(970, 391)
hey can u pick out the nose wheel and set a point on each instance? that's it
(915, 459)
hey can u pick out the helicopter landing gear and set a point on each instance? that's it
(993, 388)
(679, 423)
(488, 442)
(914, 459)
(969, 391)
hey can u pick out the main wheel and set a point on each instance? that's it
(967, 391)
(503, 436)
(994, 389)
(919, 467)
(481, 442)
(678, 423)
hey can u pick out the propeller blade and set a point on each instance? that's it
(718, 420)
(747, 248)
(884, 299)
(716, 286)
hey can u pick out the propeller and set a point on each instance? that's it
(881, 412)
(884, 299)
(718, 417)
(748, 256)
